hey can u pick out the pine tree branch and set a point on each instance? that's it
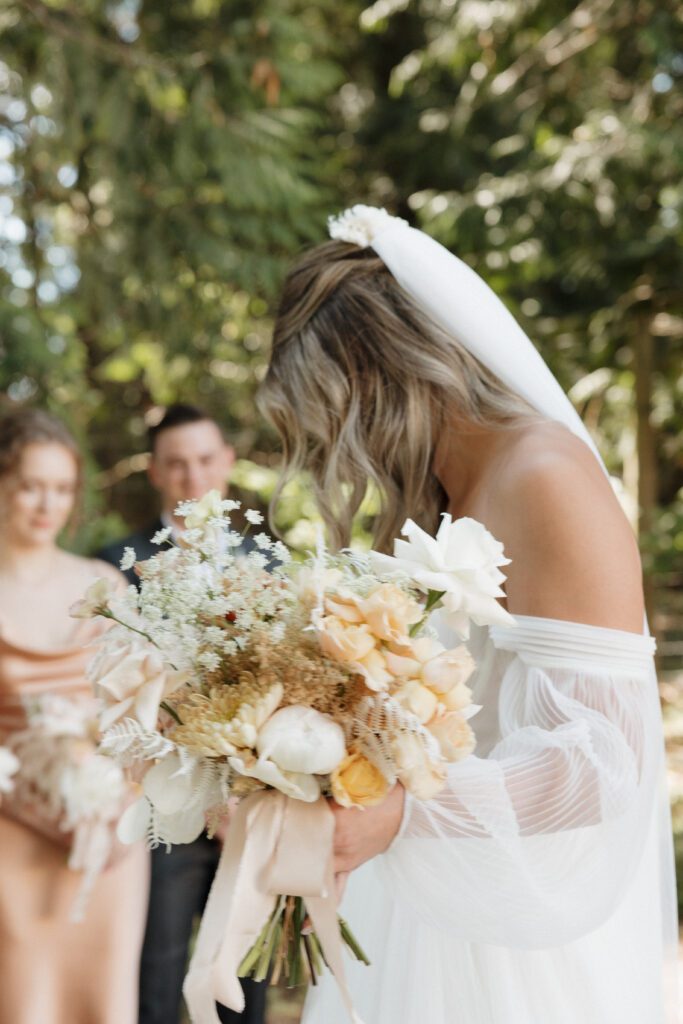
(69, 25)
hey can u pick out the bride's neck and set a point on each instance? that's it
(463, 457)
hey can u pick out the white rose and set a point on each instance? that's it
(463, 562)
(300, 739)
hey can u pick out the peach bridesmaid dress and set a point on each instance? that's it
(51, 970)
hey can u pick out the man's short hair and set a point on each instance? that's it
(178, 415)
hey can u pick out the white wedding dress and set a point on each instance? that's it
(538, 888)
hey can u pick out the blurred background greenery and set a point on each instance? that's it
(162, 160)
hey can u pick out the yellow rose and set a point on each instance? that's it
(454, 734)
(390, 612)
(417, 699)
(356, 782)
(344, 641)
(418, 773)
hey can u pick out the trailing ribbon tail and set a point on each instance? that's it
(275, 846)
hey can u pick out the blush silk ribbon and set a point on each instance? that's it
(275, 846)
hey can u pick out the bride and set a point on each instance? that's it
(538, 888)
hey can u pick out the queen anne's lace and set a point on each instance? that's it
(360, 224)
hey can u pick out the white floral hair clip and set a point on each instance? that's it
(361, 224)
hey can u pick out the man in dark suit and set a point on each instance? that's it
(189, 456)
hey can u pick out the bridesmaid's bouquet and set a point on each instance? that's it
(236, 678)
(62, 780)
(9, 766)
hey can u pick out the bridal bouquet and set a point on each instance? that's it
(59, 773)
(236, 678)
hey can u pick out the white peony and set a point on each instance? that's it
(462, 562)
(300, 739)
(298, 785)
(360, 224)
(95, 600)
(9, 766)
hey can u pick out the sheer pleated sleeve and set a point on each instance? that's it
(534, 842)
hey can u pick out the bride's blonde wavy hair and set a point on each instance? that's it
(359, 388)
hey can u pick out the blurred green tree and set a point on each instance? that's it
(161, 162)
(543, 143)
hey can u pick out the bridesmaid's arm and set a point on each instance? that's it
(31, 816)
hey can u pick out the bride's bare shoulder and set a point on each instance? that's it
(574, 552)
(547, 461)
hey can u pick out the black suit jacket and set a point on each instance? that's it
(141, 542)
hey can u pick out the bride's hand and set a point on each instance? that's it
(362, 833)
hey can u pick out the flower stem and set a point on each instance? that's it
(433, 598)
(133, 629)
(282, 947)
(171, 711)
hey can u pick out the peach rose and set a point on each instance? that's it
(457, 699)
(374, 668)
(344, 605)
(356, 782)
(454, 734)
(417, 699)
(344, 641)
(418, 773)
(429, 662)
(448, 669)
(390, 612)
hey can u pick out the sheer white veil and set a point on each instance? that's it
(463, 305)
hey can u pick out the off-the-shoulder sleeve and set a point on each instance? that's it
(534, 844)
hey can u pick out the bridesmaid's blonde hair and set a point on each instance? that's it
(359, 387)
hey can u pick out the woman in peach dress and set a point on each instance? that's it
(53, 971)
